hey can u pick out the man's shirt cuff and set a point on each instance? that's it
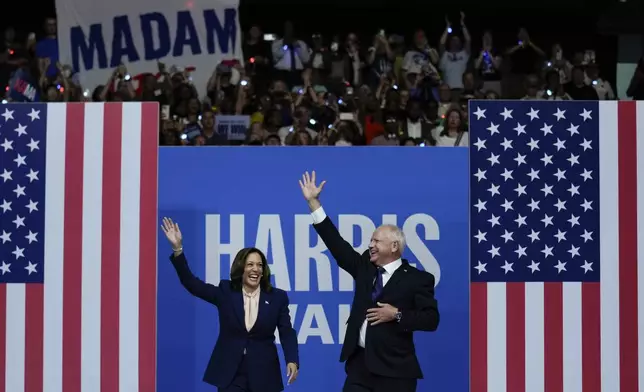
(318, 216)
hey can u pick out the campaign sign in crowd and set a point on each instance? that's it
(97, 37)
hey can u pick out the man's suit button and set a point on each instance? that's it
(252, 335)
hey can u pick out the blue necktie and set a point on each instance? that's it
(377, 287)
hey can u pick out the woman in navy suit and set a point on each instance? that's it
(250, 309)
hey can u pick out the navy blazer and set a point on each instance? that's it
(261, 353)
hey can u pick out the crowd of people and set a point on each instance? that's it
(332, 90)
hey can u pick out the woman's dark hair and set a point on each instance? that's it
(462, 128)
(239, 264)
(347, 130)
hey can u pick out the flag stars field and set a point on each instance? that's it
(555, 298)
(535, 244)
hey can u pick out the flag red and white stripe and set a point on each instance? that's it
(573, 336)
(92, 325)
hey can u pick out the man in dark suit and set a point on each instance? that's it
(392, 300)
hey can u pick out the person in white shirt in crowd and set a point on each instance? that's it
(422, 58)
(602, 87)
(488, 65)
(290, 56)
(454, 54)
(453, 132)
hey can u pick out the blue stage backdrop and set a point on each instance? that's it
(228, 198)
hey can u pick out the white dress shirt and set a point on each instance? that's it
(318, 216)
(414, 129)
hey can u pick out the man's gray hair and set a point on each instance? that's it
(394, 233)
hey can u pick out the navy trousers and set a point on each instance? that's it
(240, 382)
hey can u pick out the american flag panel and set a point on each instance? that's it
(555, 225)
(78, 247)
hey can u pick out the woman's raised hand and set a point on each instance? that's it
(172, 233)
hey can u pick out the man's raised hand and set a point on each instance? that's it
(309, 189)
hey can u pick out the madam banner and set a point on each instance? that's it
(96, 36)
(228, 198)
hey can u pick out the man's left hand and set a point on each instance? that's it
(384, 313)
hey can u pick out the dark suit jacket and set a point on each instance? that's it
(259, 343)
(389, 350)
